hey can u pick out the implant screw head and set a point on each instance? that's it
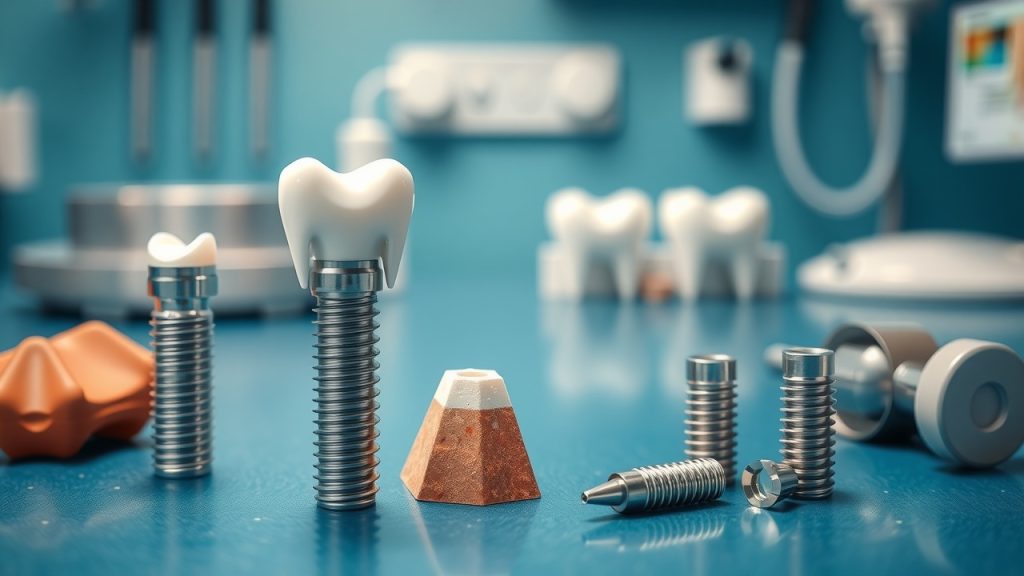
(782, 482)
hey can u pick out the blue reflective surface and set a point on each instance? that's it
(597, 388)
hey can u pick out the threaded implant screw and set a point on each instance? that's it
(346, 383)
(711, 410)
(648, 488)
(808, 407)
(182, 333)
(346, 402)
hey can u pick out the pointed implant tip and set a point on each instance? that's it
(610, 493)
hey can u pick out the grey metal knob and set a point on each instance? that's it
(969, 405)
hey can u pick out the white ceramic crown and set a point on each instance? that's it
(359, 215)
(729, 228)
(472, 389)
(168, 251)
(614, 228)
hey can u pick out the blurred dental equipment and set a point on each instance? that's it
(17, 140)
(141, 80)
(929, 265)
(985, 112)
(104, 258)
(511, 89)
(204, 58)
(718, 81)
(889, 21)
(259, 78)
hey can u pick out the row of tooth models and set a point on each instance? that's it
(713, 246)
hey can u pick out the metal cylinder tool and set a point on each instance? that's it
(807, 410)
(711, 410)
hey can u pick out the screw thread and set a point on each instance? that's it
(808, 409)
(346, 423)
(711, 421)
(182, 392)
(681, 483)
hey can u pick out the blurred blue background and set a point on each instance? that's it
(480, 202)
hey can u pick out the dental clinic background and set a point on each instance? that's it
(480, 201)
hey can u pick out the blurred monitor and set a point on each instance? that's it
(985, 111)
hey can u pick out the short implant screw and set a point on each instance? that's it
(182, 332)
(711, 410)
(808, 407)
(651, 488)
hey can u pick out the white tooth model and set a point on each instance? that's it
(728, 229)
(169, 251)
(358, 215)
(587, 230)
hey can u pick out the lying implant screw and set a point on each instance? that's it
(711, 410)
(781, 483)
(182, 279)
(662, 486)
(807, 423)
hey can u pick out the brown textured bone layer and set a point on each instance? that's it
(465, 456)
(56, 393)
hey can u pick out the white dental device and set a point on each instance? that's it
(915, 266)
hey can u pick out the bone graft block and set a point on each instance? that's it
(469, 449)
(55, 393)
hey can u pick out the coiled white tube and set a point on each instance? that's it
(839, 202)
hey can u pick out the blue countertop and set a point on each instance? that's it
(597, 388)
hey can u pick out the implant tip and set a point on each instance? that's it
(610, 493)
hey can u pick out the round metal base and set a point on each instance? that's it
(112, 283)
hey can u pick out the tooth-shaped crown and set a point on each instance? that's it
(735, 211)
(358, 215)
(625, 213)
(168, 251)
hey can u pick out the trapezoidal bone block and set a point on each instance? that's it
(55, 393)
(469, 449)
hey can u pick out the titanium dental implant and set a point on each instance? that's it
(808, 408)
(182, 279)
(345, 233)
(711, 410)
(651, 488)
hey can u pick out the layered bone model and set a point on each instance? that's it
(713, 246)
(469, 449)
(55, 393)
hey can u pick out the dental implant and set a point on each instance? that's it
(182, 279)
(346, 233)
(807, 419)
(650, 488)
(711, 410)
